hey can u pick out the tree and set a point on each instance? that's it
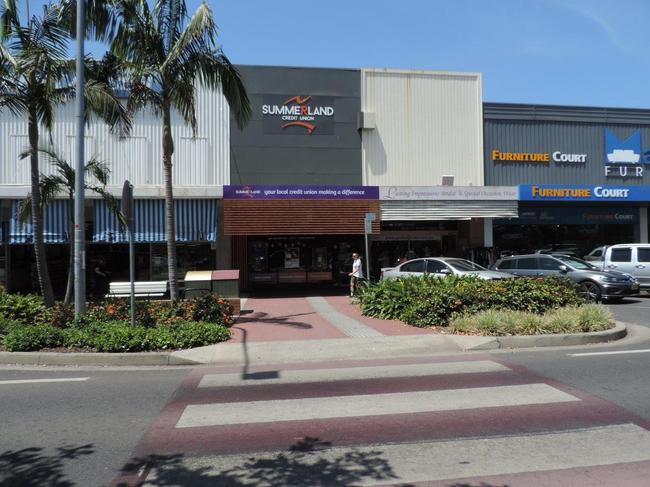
(63, 181)
(168, 55)
(35, 77)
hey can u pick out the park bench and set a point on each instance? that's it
(143, 289)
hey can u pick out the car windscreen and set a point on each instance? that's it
(577, 264)
(464, 265)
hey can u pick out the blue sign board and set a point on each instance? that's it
(298, 192)
(574, 192)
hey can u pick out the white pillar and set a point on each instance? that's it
(488, 237)
(643, 225)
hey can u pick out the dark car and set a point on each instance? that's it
(594, 283)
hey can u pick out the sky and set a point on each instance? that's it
(561, 52)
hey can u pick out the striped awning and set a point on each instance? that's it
(447, 210)
(195, 222)
(56, 224)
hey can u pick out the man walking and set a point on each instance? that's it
(356, 274)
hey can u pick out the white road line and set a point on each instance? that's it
(454, 459)
(36, 381)
(617, 352)
(344, 323)
(368, 405)
(355, 373)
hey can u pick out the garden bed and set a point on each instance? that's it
(472, 306)
(27, 325)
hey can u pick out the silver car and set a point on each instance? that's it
(441, 267)
(595, 284)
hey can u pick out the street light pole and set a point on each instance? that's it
(79, 214)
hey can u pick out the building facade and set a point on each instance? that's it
(583, 175)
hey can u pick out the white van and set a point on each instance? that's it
(633, 259)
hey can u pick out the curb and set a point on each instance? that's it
(92, 359)
(562, 340)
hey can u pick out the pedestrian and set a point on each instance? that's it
(356, 274)
(101, 278)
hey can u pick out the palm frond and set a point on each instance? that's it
(169, 16)
(183, 98)
(9, 19)
(198, 35)
(102, 101)
(98, 170)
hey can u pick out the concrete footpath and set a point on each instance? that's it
(308, 329)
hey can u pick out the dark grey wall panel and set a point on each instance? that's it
(521, 129)
(292, 156)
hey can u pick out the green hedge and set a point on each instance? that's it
(115, 336)
(428, 301)
(570, 319)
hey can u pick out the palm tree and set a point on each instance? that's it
(63, 181)
(168, 55)
(36, 76)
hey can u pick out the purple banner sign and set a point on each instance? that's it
(290, 192)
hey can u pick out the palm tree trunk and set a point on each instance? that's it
(168, 151)
(69, 289)
(37, 215)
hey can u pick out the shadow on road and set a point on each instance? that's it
(32, 467)
(300, 466)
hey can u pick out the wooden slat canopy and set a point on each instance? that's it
(298, 217)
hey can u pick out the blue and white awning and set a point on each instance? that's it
(56, 224)
(195, 222)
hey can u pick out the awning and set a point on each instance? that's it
(56, 224)
(195, 222)
(447, 210)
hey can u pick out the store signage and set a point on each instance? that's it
(623, 158)
(308, 192)
(543, 157)
(553, 192)
(297, 114)
(462, 193)
(572, 216)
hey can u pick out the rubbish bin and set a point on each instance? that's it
(198, 283)
(223, 283)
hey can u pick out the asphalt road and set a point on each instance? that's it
(635, 310)
(82, 431)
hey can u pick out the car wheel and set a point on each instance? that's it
(590, 291)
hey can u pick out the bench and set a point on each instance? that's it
(143, 289)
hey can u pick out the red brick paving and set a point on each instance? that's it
(280, 319)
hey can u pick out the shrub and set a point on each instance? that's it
(37, 337)
(209, 308)
(186, 334)
(427, 301)
(570, 319)
(61, 315)
(27, 309)
(6, 326)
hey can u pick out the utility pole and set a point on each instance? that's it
(79, 213)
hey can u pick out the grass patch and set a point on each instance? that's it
(569, 319)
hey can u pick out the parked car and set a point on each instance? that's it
(633, 259)
(595, 284)
(595, 255)
(441, 266)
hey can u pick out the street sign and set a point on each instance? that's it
(368, 226)
(127, 202)
(127, 213)
(370, 217)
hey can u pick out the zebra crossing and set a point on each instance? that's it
(452, 421)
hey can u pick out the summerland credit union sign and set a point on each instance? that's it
(298, 114)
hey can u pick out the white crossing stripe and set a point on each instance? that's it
(354, 373)
(36, 381)
(618, 352)
(369, 405)
(454, 459)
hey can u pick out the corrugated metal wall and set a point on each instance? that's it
(428, 124)
(203, 161)
(447, 210)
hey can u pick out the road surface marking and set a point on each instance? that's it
(369, 405)
(354, 373)
(344, 323)
(36, 381)
(450, 459)
(618, 352)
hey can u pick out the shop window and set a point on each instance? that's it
(643, 254)
(621, 255)
(416, 266)
(527, 263)
(548, 264)
(435, 266)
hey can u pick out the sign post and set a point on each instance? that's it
(369, 218)
(127, 213)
